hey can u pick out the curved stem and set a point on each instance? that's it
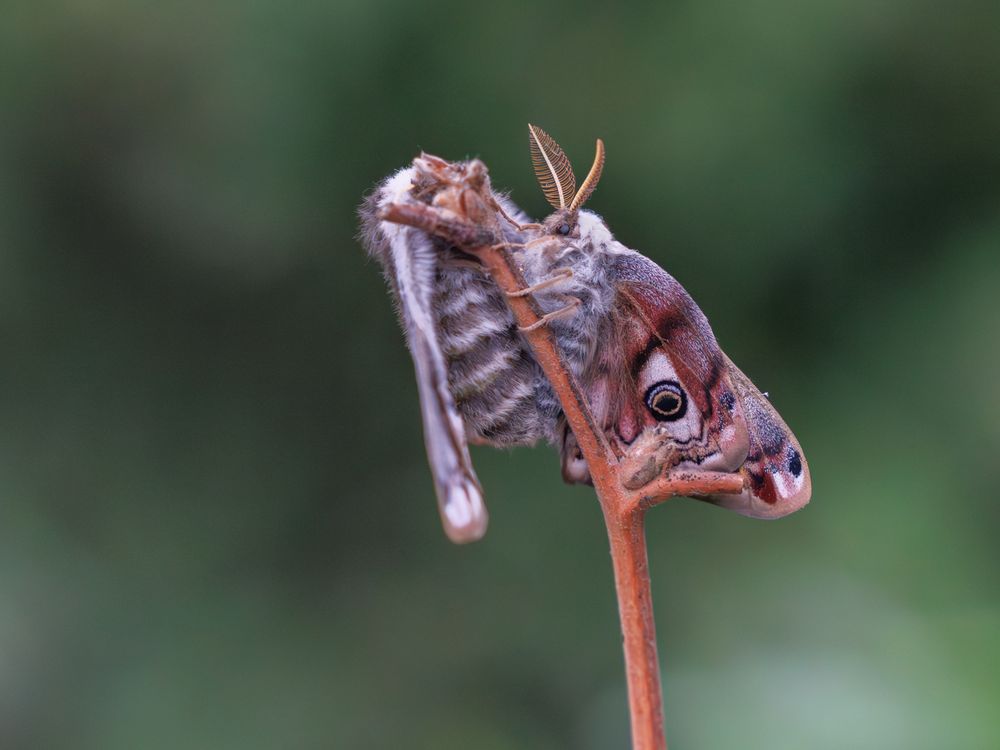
(623, 514)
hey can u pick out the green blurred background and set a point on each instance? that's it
(217, 528)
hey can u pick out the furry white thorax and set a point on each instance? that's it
(586, 255)
(594, 232)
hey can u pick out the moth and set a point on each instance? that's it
(641, 349)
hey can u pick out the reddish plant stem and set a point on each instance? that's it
(624, 510)
(627, 537)
(624, 519)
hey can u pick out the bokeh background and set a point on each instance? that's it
(217, 528)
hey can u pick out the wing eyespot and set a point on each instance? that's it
(666, 401)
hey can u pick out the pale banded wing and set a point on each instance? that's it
(409, 257)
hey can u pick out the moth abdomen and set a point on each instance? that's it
(490, 374)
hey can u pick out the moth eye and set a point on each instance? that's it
(563, 229)
(666, 401)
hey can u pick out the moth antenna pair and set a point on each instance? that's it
(555, 174)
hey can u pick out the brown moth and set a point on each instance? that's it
(657, 382)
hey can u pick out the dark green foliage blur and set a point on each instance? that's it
(217, 528)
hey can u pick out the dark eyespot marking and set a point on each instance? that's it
(794, 462)
(728, 400)
(666, 401)
(563, 228)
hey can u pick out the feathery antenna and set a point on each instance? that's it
(587, 188)
(552, 168)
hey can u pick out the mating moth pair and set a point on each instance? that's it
(641, 350)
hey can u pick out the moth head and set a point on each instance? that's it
(558, 183)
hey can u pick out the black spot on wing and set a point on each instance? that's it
(728, 400)
(794, 462)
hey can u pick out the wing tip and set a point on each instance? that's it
(777, 501)
(463, 513)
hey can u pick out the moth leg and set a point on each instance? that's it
(539, 240)
(511, 220)
(569, 309)
(522, 245)
(561, 275)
